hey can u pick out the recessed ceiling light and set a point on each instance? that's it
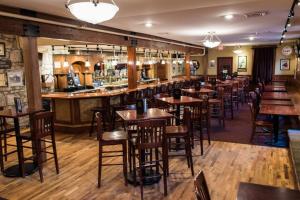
(251, 38)
(148, 24)
(228, 17)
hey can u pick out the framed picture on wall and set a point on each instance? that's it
(212, 63)
(284, 64)
(242, 64)
(15, 78)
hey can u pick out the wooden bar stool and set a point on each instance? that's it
(183, 132)
(6, 132)
(217, 106)
(43, 131)
(111, 139)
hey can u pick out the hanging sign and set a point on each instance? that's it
(287, 51)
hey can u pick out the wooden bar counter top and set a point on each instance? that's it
(73, 109)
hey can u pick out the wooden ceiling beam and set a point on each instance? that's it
(81, 31)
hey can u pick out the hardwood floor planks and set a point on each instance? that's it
(224, 165)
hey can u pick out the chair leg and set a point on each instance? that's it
(190, 156)
(55, 153)
(208, 129)
(165, 169)
(1, 155)
(201, 141)
(141, 175)
(134, 165)
(100, 165)
(124, 146)
(92, 125)
(5, 146)
(39, 158)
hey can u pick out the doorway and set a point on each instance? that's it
(224, 66)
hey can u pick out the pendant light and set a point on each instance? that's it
(92, 11)
(211, 40)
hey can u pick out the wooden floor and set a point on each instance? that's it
(224, 164)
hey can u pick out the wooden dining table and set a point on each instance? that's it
(150, 177)
(29, 168)
(276, 96)
(250, 191)
(182, 101)
(276, 102)
(273, 88)
(276, 111)
(194, 91)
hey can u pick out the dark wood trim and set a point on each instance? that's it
(131, 67)
(187, 66)
(14, 26)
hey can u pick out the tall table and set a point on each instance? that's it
(276, 111)
(183, 101)
(272, 88)
(132, 116)
(194, 91)
(276, 102)
(250, 191)
(29, 168)
(276, 96)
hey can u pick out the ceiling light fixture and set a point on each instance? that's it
(92, 11)
(228, 17)
(238, 50)
(211, 40)
(251, 38)
(148, 24)
(288, 21)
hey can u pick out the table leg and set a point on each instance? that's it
(178, 115)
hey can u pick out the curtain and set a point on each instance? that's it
(264, 60)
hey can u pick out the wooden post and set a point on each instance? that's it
(187, 66)
(32, 72)
(131, 67)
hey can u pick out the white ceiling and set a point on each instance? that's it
(189, 20)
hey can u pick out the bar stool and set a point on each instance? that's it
(43, 128)
(109, 139)
(6, 131)
(217, 106)
(182, 132)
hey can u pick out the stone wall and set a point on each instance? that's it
(15, 55)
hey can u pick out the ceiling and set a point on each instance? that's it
(190, 20)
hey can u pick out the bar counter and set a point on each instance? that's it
(73, 110)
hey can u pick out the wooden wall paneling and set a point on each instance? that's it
(32, 72)
(132, 68)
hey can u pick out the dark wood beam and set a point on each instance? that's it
(12, 25)
(131, 67)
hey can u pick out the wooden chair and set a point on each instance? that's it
(151, 137)
(111, 139)
(103, 112)
(259, 123)
(183, 132)
(6, 131)
(217, 106)
(43, 132)
(235, 94)
(201, 189)
(228, 101)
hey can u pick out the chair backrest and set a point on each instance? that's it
(42, 124)
(196, 111)
(201, 189)
(220, 91)
(151, 133)
(99, 121)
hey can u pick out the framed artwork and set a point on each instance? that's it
(212, 63)
(242, 63)
(15, 78)
(2, 49)
(284, 64)
(2, 80)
